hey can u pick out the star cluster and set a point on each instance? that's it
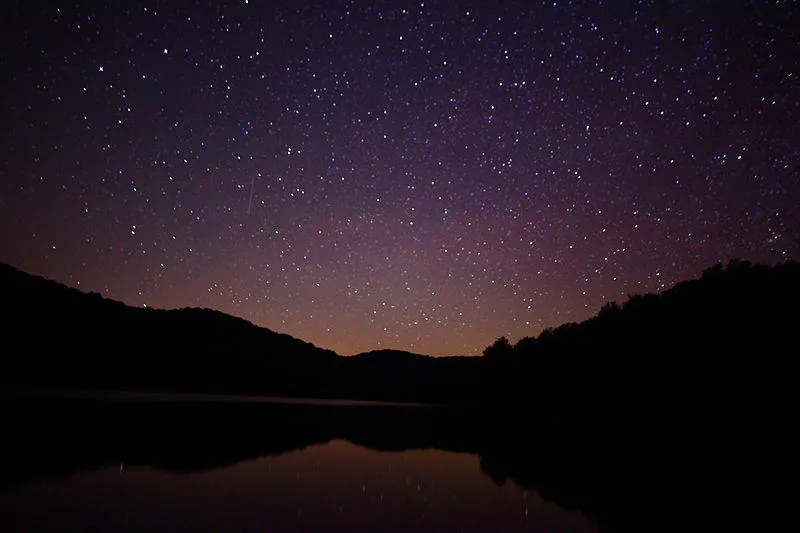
(418, 175)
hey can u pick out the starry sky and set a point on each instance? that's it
(424, 175)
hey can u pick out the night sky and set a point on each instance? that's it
(425, 176)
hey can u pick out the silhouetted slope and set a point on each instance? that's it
(405, 376)
(689, 395)
(53, 335)
(58, 337)
(666, 408)
(731, 334)
(702, 346)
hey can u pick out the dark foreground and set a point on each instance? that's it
(225, 465)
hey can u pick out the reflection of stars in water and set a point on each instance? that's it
(525, 502)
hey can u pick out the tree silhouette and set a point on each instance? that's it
(500, 348)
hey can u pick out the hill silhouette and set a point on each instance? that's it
(56, 336)
(404, 376)
(712, 342)
(706, 342)
(670, 405)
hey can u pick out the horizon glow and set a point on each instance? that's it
(422, 176)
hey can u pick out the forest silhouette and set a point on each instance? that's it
(675, 405)
(703, 345)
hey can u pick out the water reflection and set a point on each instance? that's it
(336, 486)
(87, 465)
(175, 464)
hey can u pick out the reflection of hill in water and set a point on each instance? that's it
(638, 483)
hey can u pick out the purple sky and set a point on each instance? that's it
(425, 176)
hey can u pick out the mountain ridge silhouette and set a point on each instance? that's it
(741, 310)
(666, 407)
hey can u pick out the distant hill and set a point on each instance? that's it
(56, 336)
(662, 408)
(708, 367)
(721, 338)
(406, 376)
(401, 356)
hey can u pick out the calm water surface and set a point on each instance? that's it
(338, 486)
(84, 464)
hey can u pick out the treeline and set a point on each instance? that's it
(689, 396)
(696, 310)
(663, 407)
(731, 334)
(57, 337)
(719, 351)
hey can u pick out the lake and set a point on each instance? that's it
(337, 486)
(173, 462)
(176, 463)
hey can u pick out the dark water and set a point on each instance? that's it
(119, 464)
(337, 486)
(132, 462)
